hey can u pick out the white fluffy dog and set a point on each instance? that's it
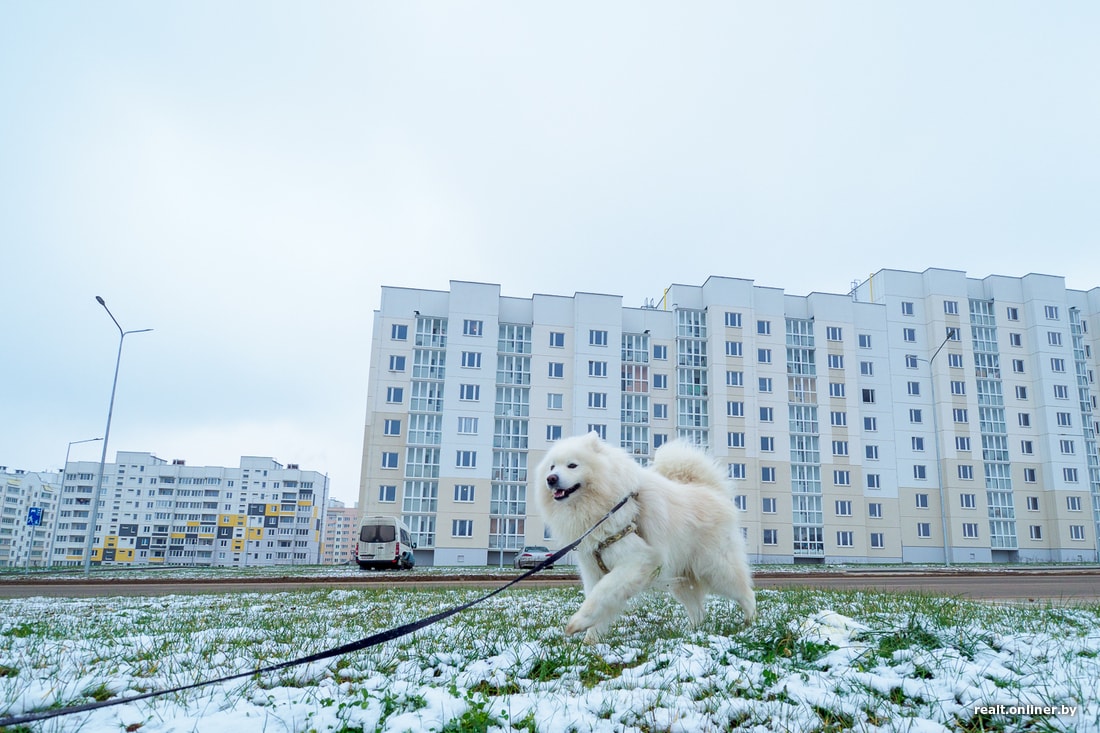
(679, 528)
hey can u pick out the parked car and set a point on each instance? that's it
(531, 556)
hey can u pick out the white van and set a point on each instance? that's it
(384, 543)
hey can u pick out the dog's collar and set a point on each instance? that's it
(608, 541)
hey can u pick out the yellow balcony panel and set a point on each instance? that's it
(177, 535)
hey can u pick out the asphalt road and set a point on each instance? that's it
(1040, 585)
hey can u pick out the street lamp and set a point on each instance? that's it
(64, 468)
(106, 435)
(951, 332)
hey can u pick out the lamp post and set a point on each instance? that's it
(936, 437)
(64, 468)
(106, 436)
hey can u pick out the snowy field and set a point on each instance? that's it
(814, 661)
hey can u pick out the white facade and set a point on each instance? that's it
(25, 494)
(160, 513)
(340, 533)
(836, 415)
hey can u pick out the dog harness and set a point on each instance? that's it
(604, 544)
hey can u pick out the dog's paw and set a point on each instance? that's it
(577, 624)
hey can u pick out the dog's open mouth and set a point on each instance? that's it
(560, 494)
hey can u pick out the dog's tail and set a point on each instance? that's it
(685, 463)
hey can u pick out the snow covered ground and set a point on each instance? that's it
(814, 661)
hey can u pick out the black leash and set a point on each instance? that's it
(372, 640)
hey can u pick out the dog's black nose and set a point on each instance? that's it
(552, 480)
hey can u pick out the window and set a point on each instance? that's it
(462, 528)
(962, 443)
(865, 341)
(958, 387)
(464, 493)
(868, 396)
(1035, 531)
(660, 411)
(922, 501)
(1051, 312)
(557, 340)
(1064, 419)
(924, 530)
(735, 408)
(767, 414)
(1066, 447)
(836, 361)
(466, 459)
(764, 384)
(968, 501)
(553, 432)
(955, 361)
(767, 443)
(1018, 366)
(1027, 447)
(660, 353)
(1021, 392)
(874, 510)
(845, 538)
(870, 452)
(767, 474)
(467, 426)
(920, 471)
(741, 502)
(392, 427)
(874, 481)
(659, 439)
(951, 307)
(1069, 475)
(735, 440)
(970, 530)
(1012, 314)
(735, 379)
(736, 470)
(395, 395)
(599, 429)
(836, 389)
(960, 415)
(917, 442)
(597, 368)
(597, 337)
(771, 537)
(1061, 392)
(838, 419)
(1029, 475)
(469, 392)
(867, 368)
(597, 400)
(833, 333)
(397, 363)
(878, 540)
(733, 348)
(840, 447)
(1058, 365)
(1033, 503)
(906, 308)
(733, 319)
(870, 424)
(556, 370)
(909, 334)
(389, 460)
(842, 478)
(660, 381)
(764, 328)
(1015, 339)
(387, 494)
(554, 401)
(966, 472)
(399, 332)
(1025, 420)
(472, 328)
(913, 388)
(1077, 531)
(1073, 503)
(764, 356)
(911, 361)
(767, 505)
(952, 334)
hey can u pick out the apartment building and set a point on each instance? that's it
(340, 533)
(160, 513)
(922, 417)
(26, 517)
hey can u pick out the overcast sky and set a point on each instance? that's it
(244, 177)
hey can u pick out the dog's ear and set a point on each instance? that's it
(592, 439)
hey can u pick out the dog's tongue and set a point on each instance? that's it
(560, 494)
